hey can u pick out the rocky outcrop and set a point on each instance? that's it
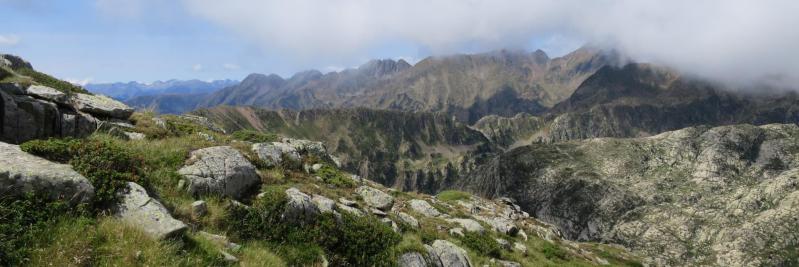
(423, 207)
(468, 224)
(450, 255)
(220, 170)
(375, 198)
(14, 62)
(273, 154)
(699, 195)
(300, 209)
(411, 259)
(101, 106)
(22, 173)
(140, 210)
(24, 117)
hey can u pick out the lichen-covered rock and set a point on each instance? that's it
(140, 210)
(101, 106)
(220, 170)
(352, 210)
(408, 219)
(300, 209)
(199, 208)
(375, 198)
(450, 254)
(24, 118)
(273, 154)
(47, 93)
(468, 224)
(500, 225)
(323, 203)
(22, 173)
(424, 208)
(411, 259)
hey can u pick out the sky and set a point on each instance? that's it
(736, 41)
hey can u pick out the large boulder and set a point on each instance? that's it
(22, 173)
(101, 106)
(375, 198)
(300, 209)
(424, 208)
(273, 154)
(450, 254)
(323, 203)
(138, 209)
(24, 118)
(47, 93)
(220, 170)
(468, 224)
(408, 219)
(411, 259)
(14, 62)
(307, 147)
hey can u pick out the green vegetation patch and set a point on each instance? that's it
(254, 136)
(482, 243)
(50, 81)
(336, 177)
(453, 195)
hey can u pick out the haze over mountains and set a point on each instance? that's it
(130, 90)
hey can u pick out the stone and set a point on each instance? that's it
(47, 93)
(22, 173)
(14, 62)
(378, 212)
(468, 224)
(411, 259)
(273, 154)
(502, 263)
(220, 170)
(24, 118)
(205, 136)
(347, 202)
(134, 136)
(500, 225)
(353, 211)
(138, 209)
(408, 219)
(316, 167)
(521, 248)
(199, 208)
(375, 198)
(181, 184)
(456, 232)
(323, 203)
(432, 257)
(505, 244)
(102, 106)
(450, 254)
(228, 257)
(300, 209)
(424, 208)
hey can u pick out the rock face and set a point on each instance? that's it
(102, 106)
(220, 170)
(424, 208)
(140, 210)
(725, 195)
(411, 259)
(450, 255)
(24, 117)
(22, 173)
(300, 209)
(375, 198)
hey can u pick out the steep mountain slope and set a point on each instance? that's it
(641, 100)
(724, 196)
(409, 151)
(466, 86)
(511, 132)
(130, 90)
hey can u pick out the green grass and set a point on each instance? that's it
(50, 81)
(254, 136)
(453, 195)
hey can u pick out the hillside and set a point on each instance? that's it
(723, 196)
(408, 151)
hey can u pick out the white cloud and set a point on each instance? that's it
(81, 82)
(230, 66)
(197, 67)
(9, 40)
(734, 40)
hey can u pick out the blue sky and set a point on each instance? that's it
(110, 41)
(148, 40)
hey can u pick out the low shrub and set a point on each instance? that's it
(358, 240)
(481, 243)
(50, 81)
(551, 252)
(106, 163)
(333, 176)
(254, 136)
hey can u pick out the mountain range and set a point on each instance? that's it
(131, 90)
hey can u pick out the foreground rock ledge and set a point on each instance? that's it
(22, 173)
(138, 209)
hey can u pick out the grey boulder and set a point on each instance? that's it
(424, 208)
(450, 255)
(22, 173)
(273, 154)
(138, 209)
(411, 259)
(219, 170)
(47, 93)
(102, 106)
(375, 198)
(300, 209)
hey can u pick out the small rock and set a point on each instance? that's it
(517, 246)
(424, 208)
(323, 203)
(378, 212)
(469, 224)
(353, 211)
(503, 243)
(347, 202)
(457, 231)
(198, 209)
(181, 184)
(502, 263)
(134, 135)
(228, 257)
(316, 167)
(205, 136)
(375, 198)
(408, 219)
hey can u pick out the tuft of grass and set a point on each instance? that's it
(52, 82)
(453, 195)
(258, 254)
(331, 175)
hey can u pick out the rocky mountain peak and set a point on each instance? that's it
(14, 62)
(383, 67)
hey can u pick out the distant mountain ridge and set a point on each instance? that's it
(126, 91)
